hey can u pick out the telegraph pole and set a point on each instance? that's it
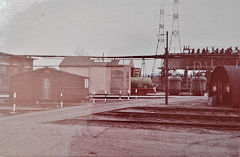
(166, 68)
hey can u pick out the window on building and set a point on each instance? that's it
(3, 75)
(3, 69)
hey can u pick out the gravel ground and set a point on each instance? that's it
(32, 134)
(166, 142)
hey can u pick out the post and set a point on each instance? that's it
(155, 90)
(136, 92)
(105, 96)
(94, 97)
(211, 65)
(61, 97)
(14, 103)
(186, 75)
(120, 93)
(128, 94)
(166, 68)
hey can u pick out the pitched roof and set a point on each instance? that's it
(46, 70)
(82, 61)
(16, 56)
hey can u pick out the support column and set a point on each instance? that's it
(186, 77)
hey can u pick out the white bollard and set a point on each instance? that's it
(14, 108)
(61, 103)
(14, 103)
(105, 96)
(94, 97)
(128, 94)
(136, 92)
(120, 92)
(155, 90)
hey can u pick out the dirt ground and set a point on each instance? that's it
(34, 134)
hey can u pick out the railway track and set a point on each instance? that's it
(171, 116)
(213, 111)
(157, 117)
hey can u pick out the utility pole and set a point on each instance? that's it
(166, 68)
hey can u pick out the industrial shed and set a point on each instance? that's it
(11, 65)
(47, 84)
(225, 86)
(110, 77)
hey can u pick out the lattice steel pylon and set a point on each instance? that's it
(160, 41)
(175, 42)
(143, 68)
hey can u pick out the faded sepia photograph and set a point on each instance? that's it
(119, 78)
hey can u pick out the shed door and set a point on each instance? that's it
(220, 93)
(119, 81)
(223, 93)
(46, 85)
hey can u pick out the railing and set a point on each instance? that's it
(109, 97)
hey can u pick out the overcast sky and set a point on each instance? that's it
(113, 27)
